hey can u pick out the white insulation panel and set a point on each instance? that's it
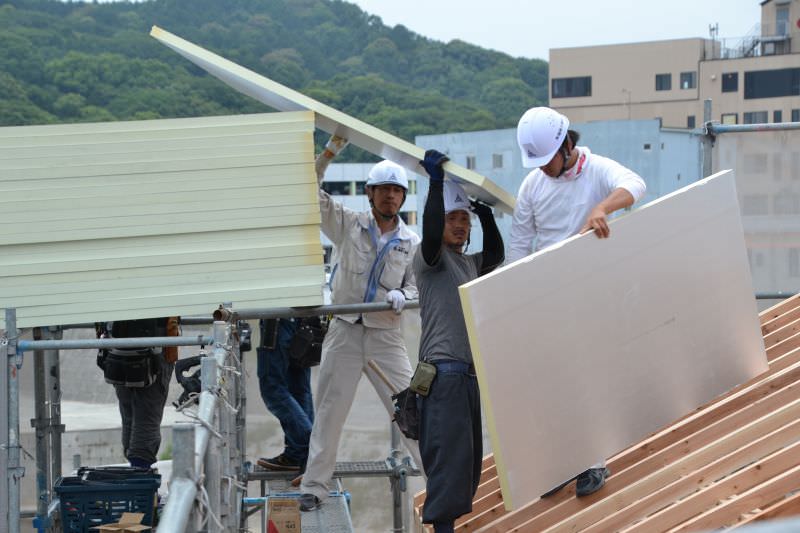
(590, 345)
(361, 134)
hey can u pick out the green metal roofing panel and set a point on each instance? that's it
(124, 220)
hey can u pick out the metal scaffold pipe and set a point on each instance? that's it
(190, 454)
(15, 470)
(183, 485)
(105, 344)
(339, 309)
(715, 128)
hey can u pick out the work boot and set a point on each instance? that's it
(281, 463)
(591, 481)
(557, 488)
(308, 502)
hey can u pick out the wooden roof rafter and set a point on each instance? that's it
(732, 462)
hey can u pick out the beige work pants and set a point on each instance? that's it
(345, 353)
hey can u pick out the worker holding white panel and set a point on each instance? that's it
(450, 436)
(372, 256)
(570, 191)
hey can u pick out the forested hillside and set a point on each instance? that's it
(79, 62)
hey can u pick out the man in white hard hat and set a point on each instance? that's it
(570, 191)
(373, 252)
(450, 436)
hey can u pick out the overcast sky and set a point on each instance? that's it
(529, 28)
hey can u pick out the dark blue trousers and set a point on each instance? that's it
(451, 446)
(286, 391)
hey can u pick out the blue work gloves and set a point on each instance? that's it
(433, 165)
(481, 209)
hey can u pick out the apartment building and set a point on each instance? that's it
(752, 79)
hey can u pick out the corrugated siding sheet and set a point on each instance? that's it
(124, 220)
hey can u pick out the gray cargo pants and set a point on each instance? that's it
(141, 409)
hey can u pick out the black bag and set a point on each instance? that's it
(191, 383)
(132, 367)
(305, 348)
(406, 413)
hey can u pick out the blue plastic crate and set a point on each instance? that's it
(95, 497)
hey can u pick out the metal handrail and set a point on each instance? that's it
(715, 128)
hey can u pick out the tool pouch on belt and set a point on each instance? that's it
(305, 348)
(135, 367)
(423, 378)
(131, 368)
(406, 414)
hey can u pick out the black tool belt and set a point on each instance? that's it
(130, 368)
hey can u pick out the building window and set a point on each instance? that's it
(794, 262)
(646, 147)
(785, 204)
(755, 117)
(412, 186)
(663, 82)
(755, 163)
(755, 205)
(781, 21)
(497, 160)
(772, 83)
(572, 87)
(730, 82)
(730, 118)
(795, 115)
(470, 162)
(690, 122)
(337, 188)
(688, 80)
(777, 169)
(777, 116)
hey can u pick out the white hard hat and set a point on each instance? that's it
(387, 173)
(540, 133)
(455, 197)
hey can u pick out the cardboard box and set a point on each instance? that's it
(283, 515)
(128, 523)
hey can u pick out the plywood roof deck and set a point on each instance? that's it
(729, 463)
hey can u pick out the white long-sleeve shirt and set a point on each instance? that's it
(549, 210)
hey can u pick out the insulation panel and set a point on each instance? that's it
(125, 220)
(601, 342)
(361, 134)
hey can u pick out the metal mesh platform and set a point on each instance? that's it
(333, 516)
(342, 470)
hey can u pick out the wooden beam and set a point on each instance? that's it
(599, 518)
(779, 309)
(653, 481)
(771, 339)
(785, 508)
(727, 512)
(783, 347)
(780, 321)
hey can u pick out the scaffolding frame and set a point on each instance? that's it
(210, 472)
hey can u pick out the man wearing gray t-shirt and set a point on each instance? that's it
(451, 439)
